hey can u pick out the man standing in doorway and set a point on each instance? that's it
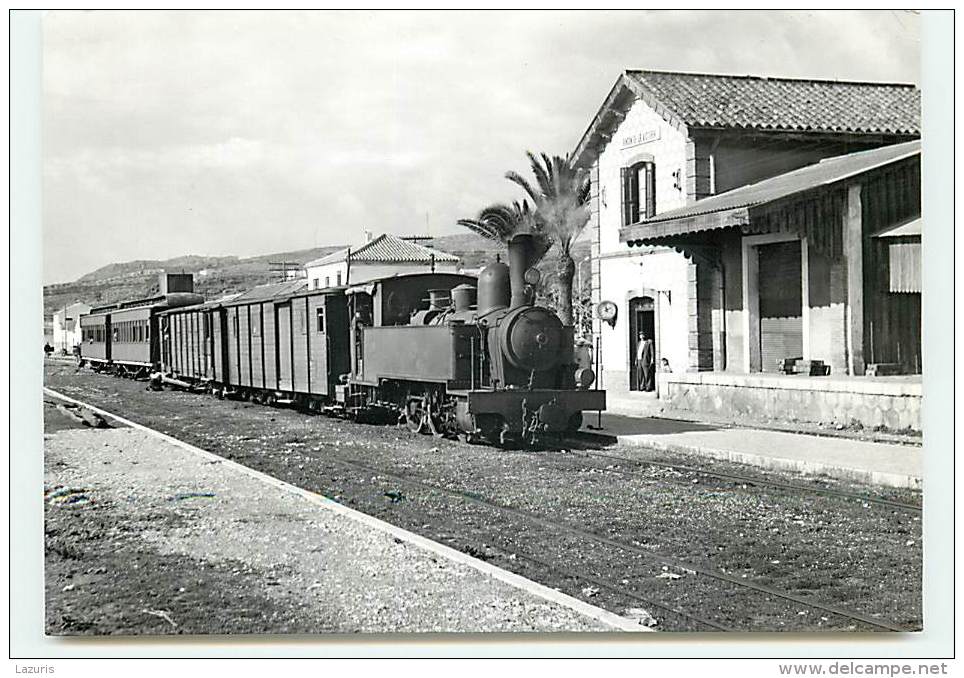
(645, 359)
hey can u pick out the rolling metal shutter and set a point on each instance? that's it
(781, 303)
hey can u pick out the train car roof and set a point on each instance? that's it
(369, 285)
(157, 300)
(213, 303)
(268, 292)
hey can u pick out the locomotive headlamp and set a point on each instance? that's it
(532, 276)
(585, 377)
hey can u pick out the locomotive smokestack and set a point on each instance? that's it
(520, 253)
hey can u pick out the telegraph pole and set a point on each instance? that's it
(283, 267)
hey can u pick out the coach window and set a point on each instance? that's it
(638, 192)
(320, 320)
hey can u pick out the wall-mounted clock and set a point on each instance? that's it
(607, 311)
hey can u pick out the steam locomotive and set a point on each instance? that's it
(483, 361)
(442, 353)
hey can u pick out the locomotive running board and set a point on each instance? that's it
(589, 400)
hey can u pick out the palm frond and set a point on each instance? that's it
(521, 181)
(502, 221)
(542, 176)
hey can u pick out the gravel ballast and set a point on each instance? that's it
(859, 556)
(146, 537)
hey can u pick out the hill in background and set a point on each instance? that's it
(219, 276)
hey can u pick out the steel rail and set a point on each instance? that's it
(650, 555)
(628, 594)
(795, 487)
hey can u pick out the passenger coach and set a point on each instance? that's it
(124, 337)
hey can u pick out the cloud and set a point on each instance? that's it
(251, 132)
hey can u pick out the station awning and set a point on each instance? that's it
(907, 229)
(733, 207)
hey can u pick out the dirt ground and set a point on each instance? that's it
(858, 556)
(152, 538)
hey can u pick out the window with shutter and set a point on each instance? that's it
(638, 192)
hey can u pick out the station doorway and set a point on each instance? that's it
(642, 318)
(781, 303)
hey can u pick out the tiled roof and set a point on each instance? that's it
(764, 105)
(338, 255)
(748, 102)
(269, 291)
(827, 171)
(388, 248)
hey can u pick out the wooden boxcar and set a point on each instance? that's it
(189, 341)
(275, 342)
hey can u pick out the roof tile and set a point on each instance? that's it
(388, 248)
(748, 102)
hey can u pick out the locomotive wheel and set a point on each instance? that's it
(415, 415)
(574, 423)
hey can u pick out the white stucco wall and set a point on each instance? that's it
(626, 272)
(330, 270)
(363, 272)
(67, 338)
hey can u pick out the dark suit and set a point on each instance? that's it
(645, 365)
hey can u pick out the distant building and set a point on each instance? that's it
(380, 257)
(66, 327)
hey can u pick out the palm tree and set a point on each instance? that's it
(501, 222)
(561, 200)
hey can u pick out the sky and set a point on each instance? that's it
(246, 133)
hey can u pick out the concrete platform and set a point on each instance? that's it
(355, 572)
(885, 464)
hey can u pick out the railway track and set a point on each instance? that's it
(749, 480)
(581, 532)
(659, 558)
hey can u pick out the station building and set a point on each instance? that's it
(65, 332)
(758, 228)
(380, 257)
